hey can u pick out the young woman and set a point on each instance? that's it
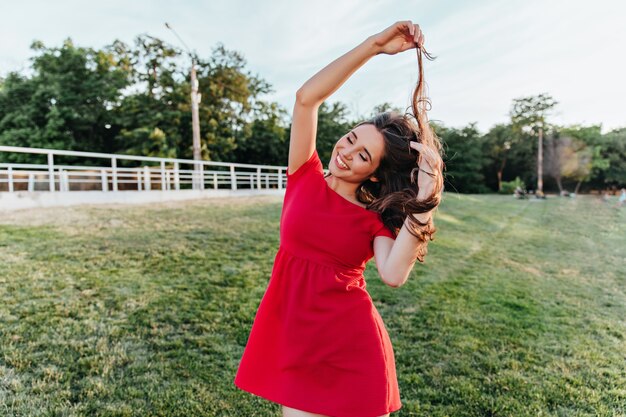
(318, 346)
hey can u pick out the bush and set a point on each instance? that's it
(508, 187)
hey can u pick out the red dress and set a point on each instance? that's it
(317, 343)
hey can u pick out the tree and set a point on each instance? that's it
(267, 141)
(66, 104)
(135, 99)
(613, 146)
(558, 151)
(585, 160)
(155, 116)
(464, 158)
(231, 102)
(498, 143)
(528, 116)
(231, 98)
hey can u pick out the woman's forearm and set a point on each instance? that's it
(319, 87)
(403, 254)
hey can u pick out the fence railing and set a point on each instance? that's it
(129, 172)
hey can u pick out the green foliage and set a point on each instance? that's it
(508, 187)
(267, 142)
(497, 144)
(135, 99)
(529, 122)
(65, 104)
(148, 142)
(529, 114)
(575, 154)
(613, 148)
(464, 158)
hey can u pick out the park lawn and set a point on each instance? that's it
(519, 309)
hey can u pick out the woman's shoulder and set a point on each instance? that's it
(312, 166)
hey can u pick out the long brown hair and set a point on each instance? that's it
(394, 196)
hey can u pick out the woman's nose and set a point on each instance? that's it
(347, 154)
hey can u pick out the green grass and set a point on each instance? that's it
(144, 311)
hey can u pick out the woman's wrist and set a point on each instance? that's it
(370, 42)
(424, 218)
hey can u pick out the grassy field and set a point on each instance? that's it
(520, 309)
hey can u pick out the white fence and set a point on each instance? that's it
(131, 173)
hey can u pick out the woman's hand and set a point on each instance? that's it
(399, 37)
(430, 165)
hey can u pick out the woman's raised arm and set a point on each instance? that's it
(398, 37)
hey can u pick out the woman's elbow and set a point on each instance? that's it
(305, 98)
(393, 282)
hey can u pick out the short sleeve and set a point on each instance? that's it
(384, 231)
(312, 165)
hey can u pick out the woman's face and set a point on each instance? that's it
(357, 154)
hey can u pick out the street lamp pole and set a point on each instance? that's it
(197, 182)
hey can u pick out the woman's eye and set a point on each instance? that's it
(349, 140)
(362, 157)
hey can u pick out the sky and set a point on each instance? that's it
(488, 52)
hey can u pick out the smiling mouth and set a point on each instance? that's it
(340, 163)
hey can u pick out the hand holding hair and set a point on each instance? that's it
(430, 165)
(399, 37)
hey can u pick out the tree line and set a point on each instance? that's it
(134, 99)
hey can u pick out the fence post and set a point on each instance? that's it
(51, 172)
(258, 178)
(201, 176)
(233, 178)
(31, 182)
(10, 177)
(215, 180)
(114, 172)
(176, 176)
(280, 178)
(162, 175)
(267, 181)
(146, 178)
(104, 180)
(64, 179)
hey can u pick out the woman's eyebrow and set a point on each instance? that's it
(366, 151)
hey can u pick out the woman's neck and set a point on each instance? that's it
(344, 188)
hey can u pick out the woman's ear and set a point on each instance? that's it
(373, 179)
